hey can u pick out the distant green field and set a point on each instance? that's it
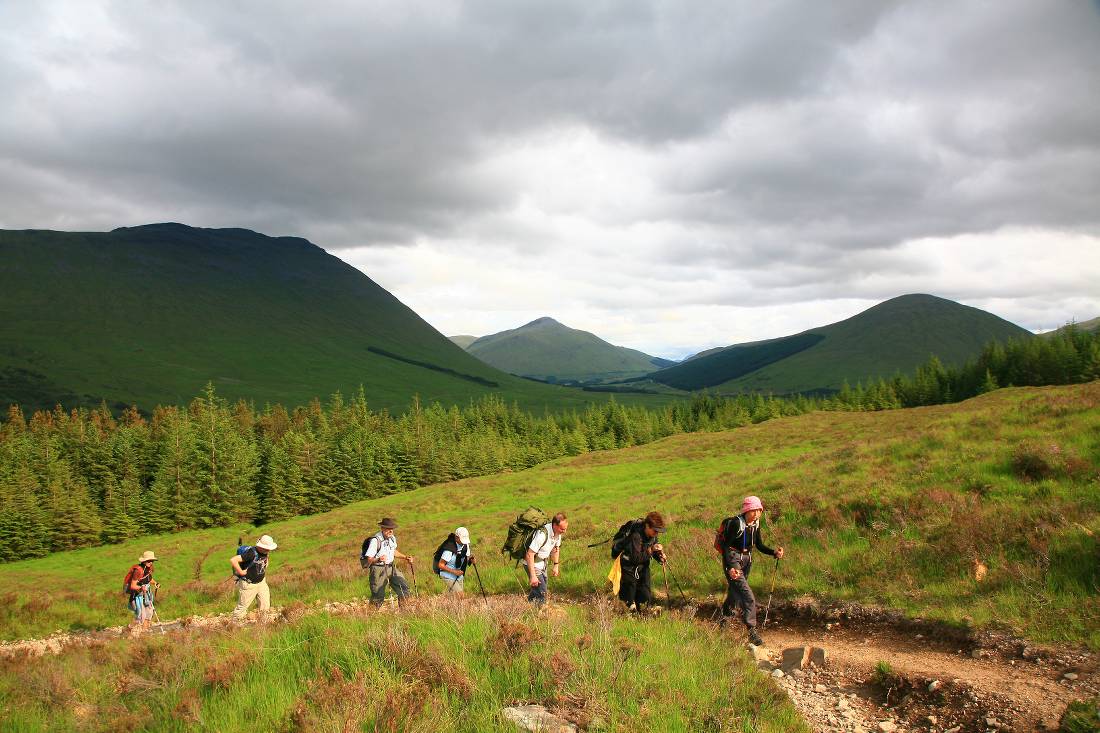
(894, 508)
(149, 315)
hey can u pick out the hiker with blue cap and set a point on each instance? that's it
(736, 538)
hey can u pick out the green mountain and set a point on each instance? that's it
(463, 340)
(545, 349)
(894, 336)
(148, 315)
(1093, 324)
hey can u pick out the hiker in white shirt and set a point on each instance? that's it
(378, 555)
(544, 545)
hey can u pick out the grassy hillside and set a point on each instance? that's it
(545, 349)
(895, 508)
(894, 336)
(148, 315)
(450, 668)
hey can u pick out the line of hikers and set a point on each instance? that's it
(534, 540)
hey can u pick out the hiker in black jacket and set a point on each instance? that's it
(635, 544)
(741, 535)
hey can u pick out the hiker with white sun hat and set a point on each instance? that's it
(250, 569)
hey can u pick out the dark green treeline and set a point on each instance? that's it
(79, 478)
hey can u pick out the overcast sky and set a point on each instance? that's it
(670, 176)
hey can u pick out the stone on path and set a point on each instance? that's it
(759, 653)
(537, 719)
(887, 726)
(801, 657)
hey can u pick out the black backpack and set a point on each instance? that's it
(448, 544)
(621, 534)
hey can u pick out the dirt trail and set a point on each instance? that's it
(1008, 686)
(995, 684)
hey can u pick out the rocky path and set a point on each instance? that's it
(924, 683)
(880, 675)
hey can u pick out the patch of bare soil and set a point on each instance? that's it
(882, 676)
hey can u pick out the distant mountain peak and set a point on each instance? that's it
(544, 321)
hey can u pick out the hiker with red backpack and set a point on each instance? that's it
(377, 556)
(452, 558)
(250, 570)
(735, 540)
(635, 544)
(141, 589)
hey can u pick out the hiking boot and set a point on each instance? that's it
(754, 638)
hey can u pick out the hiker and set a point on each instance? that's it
(250, 570)
(739, 535)
(635, 544)
(544, 544)
(454, 558)
(141, 589)
(378, 555)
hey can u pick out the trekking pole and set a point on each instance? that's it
(412, 569)
(677, 582)
(664, 572)
(477, 574)
(775, 571)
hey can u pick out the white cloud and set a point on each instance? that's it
(669, 177)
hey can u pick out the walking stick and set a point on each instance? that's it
(775, 571)
(477, 574)
(677, 582)
(412, 569)
(668, 596)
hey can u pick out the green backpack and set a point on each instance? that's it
(522, 530)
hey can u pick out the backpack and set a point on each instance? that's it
(622, 533)
(522, 530)
(366, 544)
(130, 578)
(720, 543)
(450, 543)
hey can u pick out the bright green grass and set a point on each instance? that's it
(446, 669)
(891, 508)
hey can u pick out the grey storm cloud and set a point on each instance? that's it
(790, 144)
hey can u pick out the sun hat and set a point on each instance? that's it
(751, 503)
(462, 535)
(147, 556)
(266, 543)
(388, 523)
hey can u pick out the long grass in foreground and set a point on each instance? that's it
(982, 512)
(449, 667)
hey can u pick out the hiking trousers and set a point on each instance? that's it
(248, 592)
(634, 586)
(537, 594)
(380, 575)
(738, 593)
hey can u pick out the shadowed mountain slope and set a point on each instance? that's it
(896, 335)
(147, 315)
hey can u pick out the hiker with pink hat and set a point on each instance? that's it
(737, 537)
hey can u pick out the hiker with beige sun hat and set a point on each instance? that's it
(250, 570)
(140, 587)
